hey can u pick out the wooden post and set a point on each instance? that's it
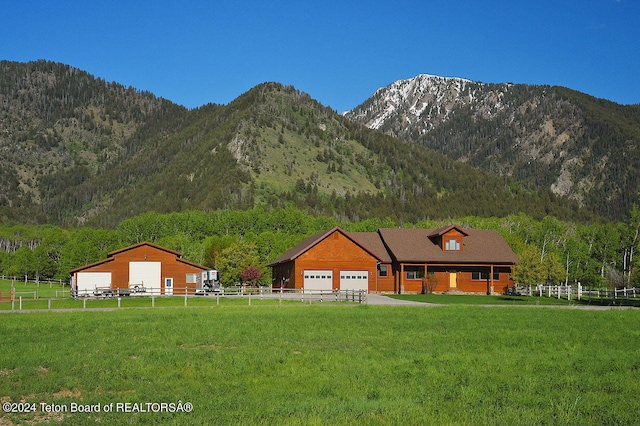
(119, 298)
(49, 304)
(491, 285)
(153, 301)
(579, 291)
(84, 303)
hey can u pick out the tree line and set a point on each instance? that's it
(237, 241)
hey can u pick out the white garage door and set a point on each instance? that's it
(354, 280)
(318, 280)
(87, 282)
(145, 274)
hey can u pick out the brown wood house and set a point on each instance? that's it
(143, 268)
(399, 261)
(331, 260)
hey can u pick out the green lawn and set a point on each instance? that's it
(45, 289)
(472, 299)
(324, 364)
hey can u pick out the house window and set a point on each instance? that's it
(453, 245)
(484, 276)
(414, 272)
(192, 278)
(383, 271)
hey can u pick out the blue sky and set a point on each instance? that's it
(340, 52)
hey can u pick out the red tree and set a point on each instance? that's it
(251, 274)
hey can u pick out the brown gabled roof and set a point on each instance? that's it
(91, 265)
(144, 243)
(195, 265)
(111, 255)
(374, 243)
(441, 231)
(414, 245)
(311, 241)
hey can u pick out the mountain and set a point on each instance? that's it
(79, 150)
(546, 138)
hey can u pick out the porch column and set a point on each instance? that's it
(491, 280)
(425, 280)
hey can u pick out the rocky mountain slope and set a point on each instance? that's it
(79, 150)
(544, 137)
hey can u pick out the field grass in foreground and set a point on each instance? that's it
(481, 299)
(325, 364)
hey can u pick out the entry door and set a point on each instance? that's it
(168, 286)
(453, 280)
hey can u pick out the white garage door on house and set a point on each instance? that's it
(354, 280)
(145, 274)
(87, 282)
(316, 280)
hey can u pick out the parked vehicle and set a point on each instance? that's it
(209, 284)
(103, 292)
(138, 288)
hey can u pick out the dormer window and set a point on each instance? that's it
(452, 245)
(450, 238)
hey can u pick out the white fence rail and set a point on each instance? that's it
(25, 279)
(310, 297)
(578, 292)
(305, 296)
(266, 292)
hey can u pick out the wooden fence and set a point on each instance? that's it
(260, 293)
(578, 292)
(25, 279)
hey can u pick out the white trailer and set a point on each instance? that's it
(208, 282)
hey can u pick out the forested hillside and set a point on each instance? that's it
(231, 241)
(78, 150)
(61, 127)
(546, 138)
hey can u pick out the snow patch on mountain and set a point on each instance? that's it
(425, 99)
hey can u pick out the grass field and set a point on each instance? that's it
(43, 290)
(473, 299)
(323, 364)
